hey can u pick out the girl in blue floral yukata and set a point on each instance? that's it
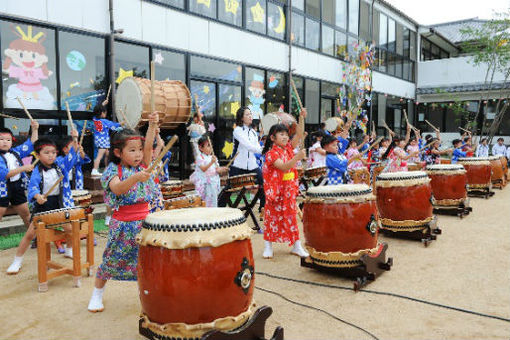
(128, 187)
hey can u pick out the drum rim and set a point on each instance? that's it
(182, 197)
(251, 174)
(422, 175)
(194, 227)
(356, 193)
(448, 167)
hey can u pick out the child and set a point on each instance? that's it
(207, 173)
(128, 188)
(13, 182)
(76, 174)
(353, 153)
(195, 131)
(281, 189)
(483, 149)
(43, 177)
(433, 153)
(396, 156)
(317, 153)
(457, 151)
(466, 146)
(414, 148)
(102, 127)
(336, 162)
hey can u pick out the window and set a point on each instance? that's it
(231, 11)
(299, 4)
(412, 46)
(405, 71)
(364, 24)
(391, 63)
(328, 40)
(299, 82)
(382, 60)
(341, 44)
(131, 60)
(83, 80)
(406, 42)
(173, 3)
(341, 13)
(398, 66)
(256, 16)
(312, 34)
(229, 103)
(169, 65)
(211, 68)
(328, 12)
(400, 39)
(33, 48)
(375, 27)
(254, 87)
(275, 21)
(383, 30)
(329, 89)
(391, 35)
(206, 8)
(206, 93)
(276, 91)
(298, 29)
(313, 8)
(312, 99)
(351, 42)
(353, 16)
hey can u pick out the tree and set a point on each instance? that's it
(489, 45)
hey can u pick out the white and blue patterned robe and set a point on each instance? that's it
(21, 151)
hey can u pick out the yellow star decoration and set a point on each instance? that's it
(257, 13)
(231, 6)
(205, 3)
(281, 26)
(206, 89)
(123, 74)
(228, 148)
(234, 107)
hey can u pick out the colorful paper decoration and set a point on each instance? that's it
(158, 58)
(76, 61)
(206, 89)
(228, 148)
(234, 107)
(231, 6)
(211, 128)
(123, 74)
(206, 3)
(257, 13)
(281, 26)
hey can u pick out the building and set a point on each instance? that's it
(230, 53)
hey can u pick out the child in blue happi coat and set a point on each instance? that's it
(102, 127)
(335, 162)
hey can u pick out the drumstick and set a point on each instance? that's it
(124, 118)
(372, 145)
(297, 94)
(465, 130)
(53, 186)
(163, 153)
(83, 132)
(299, 211)
(108, 94)
(7, 116)
(405, 116)
(25, 109)
(161, 168)
(153, 105)
(36, 161)
(69, 117)
(373, 126)
(426, 146)
(432, 126)
(232, 160)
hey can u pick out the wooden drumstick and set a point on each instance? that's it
(124, 118)
(426, 146)
(373, 126)
(465, 130)
(232, 160)
(297, 94)
(299, 211)
(7, 116)
(153, 104)
(432, 126)
(25, 109)
(161, 168)
(69, 117)
(36, 161)
(163, 153)
(372, 145)
(83, 132)
(53, 186)
(108, 94)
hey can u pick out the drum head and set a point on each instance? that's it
(331, 124)
(269, 120)
(129, 99)
(339, 190)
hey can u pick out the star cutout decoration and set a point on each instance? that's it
(123, 74)
(234, 107)
(228, 148)
(257, 13)
(158, 58)
(205, 3)
(211, 128)
(206, 89)
(231, 6)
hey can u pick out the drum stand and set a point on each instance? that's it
(241, 196)
(426, 235)
(499, 183)
(372, 266)
(460, 210)
(481, 192)
(253, 329)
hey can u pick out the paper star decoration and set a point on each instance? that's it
(211, 128)
(205, 3)
(234, 107)
(206, 89)
(257, 13)
(158, 58)
(231, 6)
(228, 148)
(123, 74)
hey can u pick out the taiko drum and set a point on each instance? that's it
(497, 174)
(195, 267)
(340, 218)
(478, 171)
(404, 196)
(448, 182)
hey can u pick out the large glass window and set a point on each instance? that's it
(299, 82)
(131, 60)
(341, 13)
(313, 8)
(29, 66)
(254, 87)
(364, 24)
(351, 43)
(206, 93)
(412, 46)
(229, 103)
(375, 27)
(329, 89)
(341, 44)
(298, 29)
(312, 34)
(328, 11)
(353, 16)
(82, 71)
(406, 42)
(400, 39)
(211, 68)
(391, 35)
(299, 4)
(207, 8)
(328, 40)
(174, 3)
(276, 91)
(383, 30)
(231, 11)
(312, 99)
(275, 21)
(256, 15)
(169, 65)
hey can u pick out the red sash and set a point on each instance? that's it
(132, 212)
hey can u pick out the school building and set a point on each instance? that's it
(232, 53)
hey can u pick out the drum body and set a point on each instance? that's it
(171, 189)
(497, 174)
(448, 182)
(59, 216)
(414, 167)
(171, 97)
(504, 163)
(340, 224)
(82, 198)
(404, 200)
(195, 271)
(274, 118)
(300, 172)
(240, 181)
(360, 176)
(188, 201)
(316, 172)
(478, 172)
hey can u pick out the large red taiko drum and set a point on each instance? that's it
(478, 172)
(504, 163)
(340, 224)
(195, 271)
(448, 182)
(404, 200)
(497, 175)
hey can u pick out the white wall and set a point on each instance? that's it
(393, 86)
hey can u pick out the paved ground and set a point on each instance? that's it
(468, 268)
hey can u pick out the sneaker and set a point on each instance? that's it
(95, 172)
